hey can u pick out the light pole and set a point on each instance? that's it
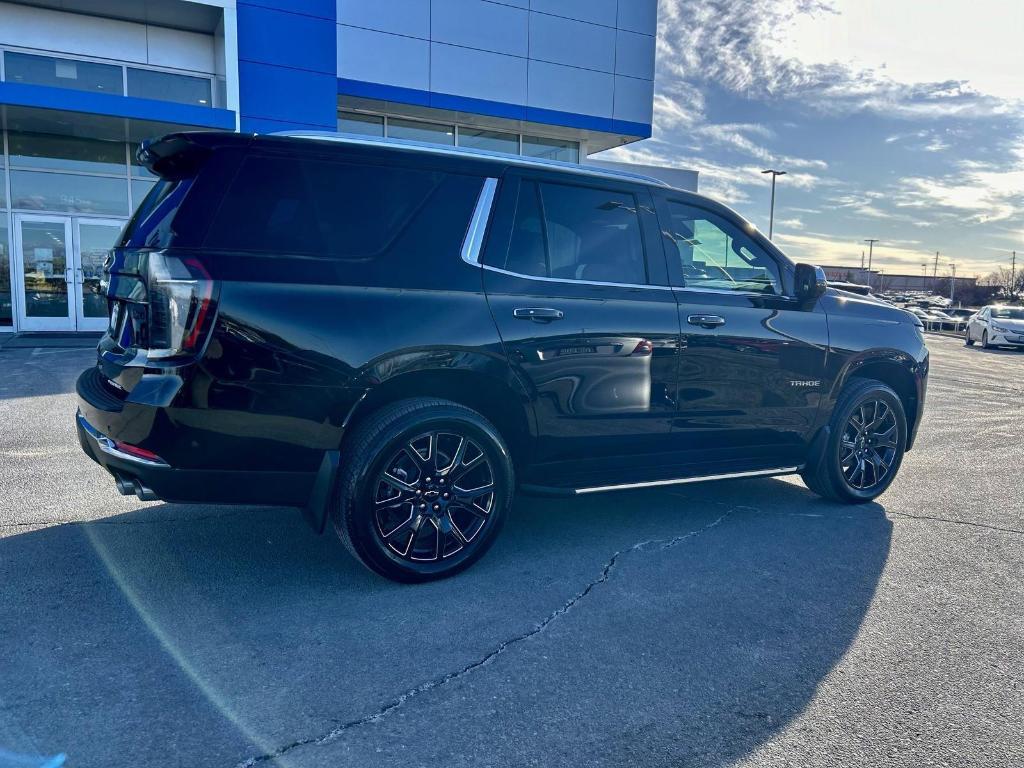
(952, 284)
(771, 219)
(871, 254)
(1013, 275)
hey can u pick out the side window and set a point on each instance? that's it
(577, 233)
(714, 253)
(340, 210)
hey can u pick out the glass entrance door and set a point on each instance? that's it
(43, 273)
(58, 269)
(93, 239)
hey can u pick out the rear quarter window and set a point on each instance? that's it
(341, 210)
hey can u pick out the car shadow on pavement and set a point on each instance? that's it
(654, 627)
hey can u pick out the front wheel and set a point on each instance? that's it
(984, 340)
(425, 489)
(865, 447)
(968, 341)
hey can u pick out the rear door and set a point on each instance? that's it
(752, 359)
(576, 282)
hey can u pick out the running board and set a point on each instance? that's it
(545, 490)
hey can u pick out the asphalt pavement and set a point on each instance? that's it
(732, 624)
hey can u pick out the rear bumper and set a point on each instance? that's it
(192, 485)
(103, 419)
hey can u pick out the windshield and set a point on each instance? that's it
(1008, 313)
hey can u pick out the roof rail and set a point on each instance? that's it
(434, 149)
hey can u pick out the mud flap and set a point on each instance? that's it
(318, 507)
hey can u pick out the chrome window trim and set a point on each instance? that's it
(727, 292)
(517, 160)
(687, 480)
(474, 240)
(574, 282)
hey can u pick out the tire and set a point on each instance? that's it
(968, 341)
(984, 340)
(829, 475)
(412, 446)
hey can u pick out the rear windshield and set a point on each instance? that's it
(341, 210)
(149, 226)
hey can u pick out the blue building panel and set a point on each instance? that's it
(399, 17)
(321, 9)
(574, 43)
(481, 24)
(379, 57)
(286, 39)
(477, 74)
(288, 96)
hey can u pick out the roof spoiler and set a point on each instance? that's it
(172, 157)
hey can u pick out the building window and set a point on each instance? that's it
(551, 149)
(41, 191)
(168, 86)
(63, 73)
(65, 153)
(413, 130)
(6, 306)
(361, 125)
(492, 141)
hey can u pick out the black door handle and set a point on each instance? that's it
(706, 321)
(538, 314)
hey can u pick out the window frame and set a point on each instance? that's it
(494, 255)
(678, 281)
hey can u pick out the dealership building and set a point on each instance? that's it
(82, 82)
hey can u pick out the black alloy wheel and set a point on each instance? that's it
(424, 489)
(434, 496)
(868, 445)
(864, 446)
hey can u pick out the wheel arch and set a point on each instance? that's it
(501, 400)
(896, 372)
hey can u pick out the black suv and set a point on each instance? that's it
(396, 337)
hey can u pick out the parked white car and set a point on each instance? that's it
(997, 326)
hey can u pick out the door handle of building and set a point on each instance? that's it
(69, 276)
(80, 275)
(706, 321)
(538, 314)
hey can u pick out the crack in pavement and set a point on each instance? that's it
(968, 523)
(504, 645)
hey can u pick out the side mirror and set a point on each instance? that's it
(811, 283)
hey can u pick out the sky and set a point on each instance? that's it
(901, 120)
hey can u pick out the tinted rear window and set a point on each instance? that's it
(340, 210)
(150, 225)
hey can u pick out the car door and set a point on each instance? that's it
(576, 281)
(752, 361)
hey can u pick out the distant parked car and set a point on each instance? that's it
(997, 326)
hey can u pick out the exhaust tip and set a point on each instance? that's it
(143, 493)
(124, 486)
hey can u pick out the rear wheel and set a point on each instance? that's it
(967, 338)
(984, 340)
(865, 448)
(425, 489)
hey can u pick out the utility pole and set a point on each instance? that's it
(1013, 275)
(862, 260)
(952, 284)
(771, 219)
(935, 271)
(871, 255)
(924, 274)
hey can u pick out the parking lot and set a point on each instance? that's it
(745, 624)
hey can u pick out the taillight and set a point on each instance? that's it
(179, 294)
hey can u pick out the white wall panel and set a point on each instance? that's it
(478, 74)
(568, 89)
(480, 24)
(181, 50)
(634, 55)
(634, 99)
(573, 43)
(401, 17)
(639, 16)
(596, 11)
(378, 57)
